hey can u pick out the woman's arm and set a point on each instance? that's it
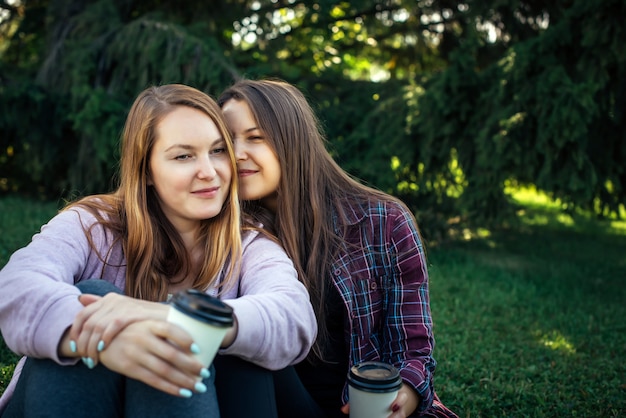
(276, 323)
(409, 330)
(39, 301)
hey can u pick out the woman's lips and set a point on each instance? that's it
(208, 192)
(245, 173)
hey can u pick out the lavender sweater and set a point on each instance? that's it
(39, 301)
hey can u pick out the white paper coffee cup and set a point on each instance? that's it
(372, 388)
(204, 317)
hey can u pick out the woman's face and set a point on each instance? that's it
(257, 164)
(189, 168)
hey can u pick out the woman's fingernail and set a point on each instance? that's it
(73, 346)
(195, 348)
(200, 387)
(185, 393)
(87, 361)
(100, 345)
(204, 373)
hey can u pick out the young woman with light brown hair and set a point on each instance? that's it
(172, 224)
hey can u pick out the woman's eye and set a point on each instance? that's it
(218, 151)
(182, 157)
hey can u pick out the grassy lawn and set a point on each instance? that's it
(529, 320)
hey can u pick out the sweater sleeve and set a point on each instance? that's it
(277, 326)
(39, 301)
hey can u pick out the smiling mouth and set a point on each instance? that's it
(208, 191)
(243, 173)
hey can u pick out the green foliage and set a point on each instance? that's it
(87, 79)
(34, 141)
(543, 114)
(99, 123)
(568, 112)
(365, 126)
(455, 111)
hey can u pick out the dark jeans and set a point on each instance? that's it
(244, 389)
(47, 389)
(293, 399)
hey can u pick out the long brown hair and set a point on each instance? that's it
(313, 187)
(153, 249)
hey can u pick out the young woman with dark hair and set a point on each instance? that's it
(357, 250)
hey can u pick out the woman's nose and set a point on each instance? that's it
(240, 152)
(206, 169)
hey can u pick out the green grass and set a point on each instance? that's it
(529, 320)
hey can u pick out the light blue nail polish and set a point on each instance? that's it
(100, 346)
(204, 373)
(73, 346)
(87, 361)
(194, 348)
(200, 387)
(185, 393)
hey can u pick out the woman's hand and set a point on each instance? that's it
(158, 354)
(104, 317)
(404, 405)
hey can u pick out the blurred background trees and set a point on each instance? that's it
(444, 104)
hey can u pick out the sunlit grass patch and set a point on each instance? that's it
(556, 341)
(538, 208)
(531, 196)
(619, 226)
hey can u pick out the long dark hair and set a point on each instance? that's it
(313, 187)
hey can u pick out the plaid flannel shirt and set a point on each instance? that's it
(381, 275)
